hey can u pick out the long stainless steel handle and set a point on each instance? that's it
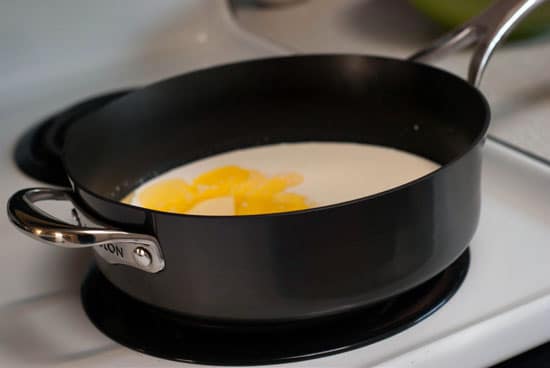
(486, 31)
(114, 246)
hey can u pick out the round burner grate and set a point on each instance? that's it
(38, 151)
(164, 334)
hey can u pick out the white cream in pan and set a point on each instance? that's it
(317, 174)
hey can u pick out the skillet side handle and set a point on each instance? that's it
(486, 31)
(114, 246)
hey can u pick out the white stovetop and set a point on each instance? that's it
(59, 53)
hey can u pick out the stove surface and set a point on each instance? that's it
(502, 309)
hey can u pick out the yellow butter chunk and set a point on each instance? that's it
(171, 195)
(228, 190)
(222, 206)
(128, 199)
(226, 175)
(280, 202)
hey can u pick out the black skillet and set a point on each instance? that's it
(293, 265)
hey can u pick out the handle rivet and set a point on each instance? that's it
(142, 257)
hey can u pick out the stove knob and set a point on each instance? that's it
(142, 257)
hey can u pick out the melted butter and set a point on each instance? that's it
(228, 190)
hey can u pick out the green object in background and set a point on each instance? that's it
(451, 13)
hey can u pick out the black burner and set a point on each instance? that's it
(167, 335)
(38, 152)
